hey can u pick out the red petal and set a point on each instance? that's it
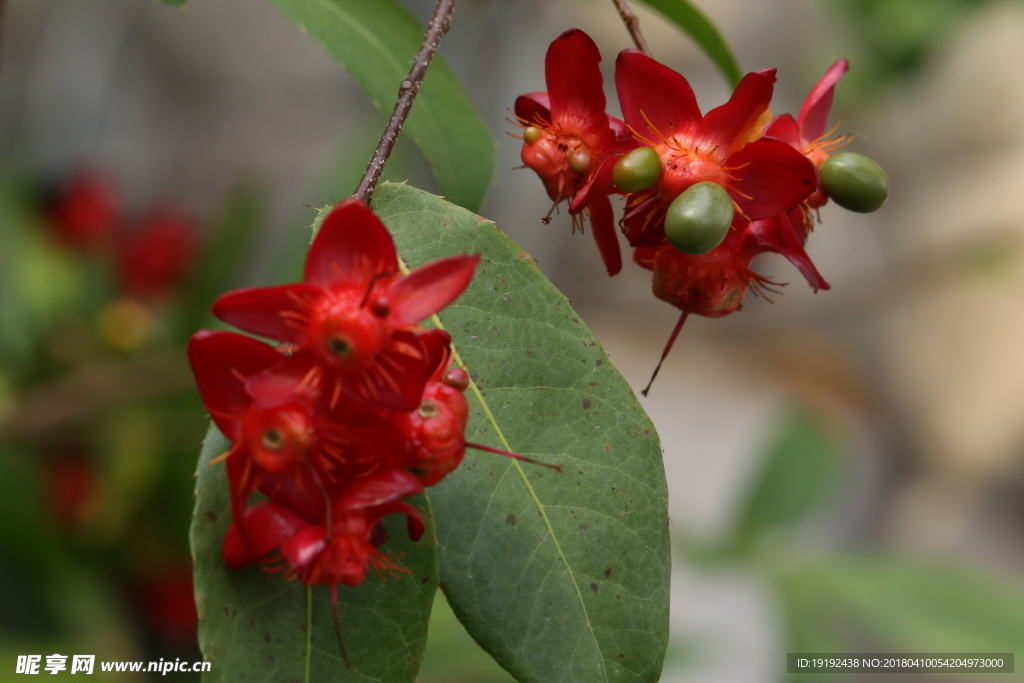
(773, 176)
(602, 224)
(259, 310)
(534, 108)
(600, 184)
(414, 517)
(738, 121)
(645, 228)
(785, 129)
(813, 118)
(649, 88)
(351, 248)
(430, 288)
(303, 547)
(269, 525)
(297, 490)
(437, 345)
(378, 489)
(644, 257)
(237, 463)
(395, 381)
(286, 381)
(219, 360)
(781, 235)
(575, 85)
(620, 132)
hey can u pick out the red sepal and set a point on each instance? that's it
(782, 234)
(602, 223)
(651, 92)
(735, 123)
(534, 107)
(785, 129)
(414, 518)
(430, 288)
(218, 359)
(575, 85)
(775, 178)
(351, 248)
(813, 117)
(304, 547)
(395, 381)
(269, 524)
(377, 489)
(268, 311)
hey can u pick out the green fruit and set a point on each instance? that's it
(854, 182)
(637, 170)
(698, 220)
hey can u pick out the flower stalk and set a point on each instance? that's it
(407, 92)
(632, 25)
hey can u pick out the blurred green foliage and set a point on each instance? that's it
(834, 599)
(892, 39)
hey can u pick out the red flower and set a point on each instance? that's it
(763, 177)
(807, 133)
(435, 441)
(328, 551)
(571, 142)
(713, 284)
(354, 318)
(155, 257)
(286, 441)
(83, 212)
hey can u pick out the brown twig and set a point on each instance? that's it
(439, 23)
(67, 400)
(632, 25)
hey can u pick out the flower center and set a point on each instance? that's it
(347, 336)
(279, 437)
(273, 439)
(428, 409)
(563, 162)
(339, 346)
(684, 167)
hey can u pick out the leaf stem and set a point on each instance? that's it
(632, 25)
(407, 92)
(309, 629)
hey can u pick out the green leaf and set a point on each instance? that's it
(452, 656)
(177, 3)
(924, 606)
(253, 626)
(376, 40)
(561, 577)
(800, 465)
(703, 32)
(808, 619)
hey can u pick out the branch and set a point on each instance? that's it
(632, 25)
(73, 398)
(439, 23)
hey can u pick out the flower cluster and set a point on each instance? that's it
(151, 256)
(704, 193)
(354, 411)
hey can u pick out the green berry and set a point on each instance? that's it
(854, 182)
(579, 161)
(637, 170)
(698, 219)
(532, 134)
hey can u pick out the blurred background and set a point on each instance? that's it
(846, 469)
